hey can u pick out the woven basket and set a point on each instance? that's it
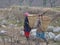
(45, 21)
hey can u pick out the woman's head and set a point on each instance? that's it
(26, 14)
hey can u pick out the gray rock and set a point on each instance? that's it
(4, 22)
(57, 38)
(50, 28)
(56, 29)
(11, 26)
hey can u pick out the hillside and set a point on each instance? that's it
(14, 14)
(38, 3)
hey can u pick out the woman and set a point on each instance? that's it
(39, 33)
(27, 28)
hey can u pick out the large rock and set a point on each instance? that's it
(50, 28)
(56, 29)
(57, 38)
(51, 35)
(33, 33)
(4, 22)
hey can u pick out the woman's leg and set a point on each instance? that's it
(37, 39)
(37, 42)
(46, 41)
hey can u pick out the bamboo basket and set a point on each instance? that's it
(45, 21)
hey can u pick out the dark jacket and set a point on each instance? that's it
(26, 25)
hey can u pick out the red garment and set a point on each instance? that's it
(27, 34)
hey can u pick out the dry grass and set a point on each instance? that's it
(17, 12)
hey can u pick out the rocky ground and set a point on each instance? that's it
(10, 20)
(17, 39)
